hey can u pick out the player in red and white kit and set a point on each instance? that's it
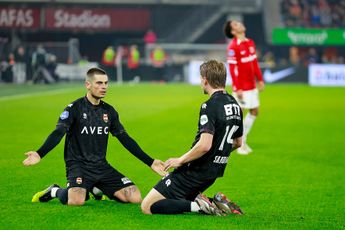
(245, 71)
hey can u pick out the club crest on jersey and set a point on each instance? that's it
(64, 115)
(105, 118)
(203, 119)
(84, 116)
(251, 49)
(79, 180)
(231, 53)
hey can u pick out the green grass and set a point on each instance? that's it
(293, 180)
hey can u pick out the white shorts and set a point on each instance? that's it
(250, 99)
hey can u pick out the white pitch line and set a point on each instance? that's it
(27, 95)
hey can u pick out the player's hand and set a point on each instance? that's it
(261, 85)
(32, 158)
(239, 94)
(158, 167)
(172, 163)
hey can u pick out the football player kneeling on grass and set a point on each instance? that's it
(220, 130)
(87, 123)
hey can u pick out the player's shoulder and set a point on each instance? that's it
(210, 103)
(222, 98)
(232, 43)
(108, 107)
(232, 99)
(75, 103)
(250, 41)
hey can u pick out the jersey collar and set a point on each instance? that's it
(92, 105)
(239, 41)
(219, 92)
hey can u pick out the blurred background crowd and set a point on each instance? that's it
(153, 39)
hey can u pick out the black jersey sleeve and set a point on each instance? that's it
(239, 131)
(132, 146)
(207, 119)
(65, 121)
(116, 128)
(53, 139)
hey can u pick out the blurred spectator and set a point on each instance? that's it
(108, 56)
(39, 63)
(311, 57)
(158, 57)
(294, 56)
(11, 60)
(133, 57)
(22, 67)
(108, 61)
(51, 66)
(150, 37)
(20, 55)
(269, 60)
(38, 57)
(6, 69)
(313, 13)
(133, 60)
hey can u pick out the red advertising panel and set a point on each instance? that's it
(19, 18)
(97, 19)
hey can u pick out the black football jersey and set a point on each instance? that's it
(222, 117)
(87, 127)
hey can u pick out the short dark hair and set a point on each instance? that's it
(93, 71)
(227, 29)
(214, 72)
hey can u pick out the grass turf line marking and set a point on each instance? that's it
(27, 95)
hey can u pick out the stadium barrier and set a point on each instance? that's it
(281, 74)
(326, 75)
(314, 74)
(74, 72)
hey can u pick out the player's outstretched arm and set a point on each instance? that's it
(53, 139)
(32, 158)
(158, 167)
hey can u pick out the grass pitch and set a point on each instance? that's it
(294, 179)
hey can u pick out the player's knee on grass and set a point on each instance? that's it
(76, 202)
(130, 194)
(76, 196)
(146, 206)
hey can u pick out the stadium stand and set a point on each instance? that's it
(196, 26)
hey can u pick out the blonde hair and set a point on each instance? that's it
(214, 72)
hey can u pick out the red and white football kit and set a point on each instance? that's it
(243, 65)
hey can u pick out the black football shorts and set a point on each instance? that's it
(178, 186)
(104, 177)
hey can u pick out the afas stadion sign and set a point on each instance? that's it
(20, 18)
(98, 19)
(75, 19)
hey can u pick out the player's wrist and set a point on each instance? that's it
(150, 162)
(40, 154)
